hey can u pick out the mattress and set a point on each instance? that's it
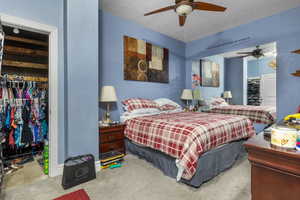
(185, 136)
(257, 114)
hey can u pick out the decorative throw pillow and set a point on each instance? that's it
(138, 103)
(167, 107)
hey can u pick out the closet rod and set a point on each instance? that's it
(25, 78)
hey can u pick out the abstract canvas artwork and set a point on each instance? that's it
(145, 62)
(210, 74)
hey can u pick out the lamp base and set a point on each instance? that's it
(107, 119)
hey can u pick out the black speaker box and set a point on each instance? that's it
(78, 170)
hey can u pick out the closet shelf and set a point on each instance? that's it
(24, 51)
(29, 65)
(25, 40)
(296, 51)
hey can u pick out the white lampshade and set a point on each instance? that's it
(197, 94)
(108, 94)
(227, 95)
(187, 94)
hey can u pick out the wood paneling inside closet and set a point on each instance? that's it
(25, 54)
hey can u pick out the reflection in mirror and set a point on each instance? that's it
(248, 75)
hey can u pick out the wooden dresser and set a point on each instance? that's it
(112, 139)
(275, 172)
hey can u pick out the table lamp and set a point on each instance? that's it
(187, 95)
(108, 95)
(227, 96)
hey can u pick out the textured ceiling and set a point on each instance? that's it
(200, 23)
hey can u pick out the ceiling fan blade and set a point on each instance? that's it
(208, 7)
(161, 10)
(250, 53)
(182, 20)
(243, 56)
(297, 51)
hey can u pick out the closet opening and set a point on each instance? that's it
(24, 115)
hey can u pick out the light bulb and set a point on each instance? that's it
(16, 31)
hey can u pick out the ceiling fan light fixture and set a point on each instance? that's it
(184, 10)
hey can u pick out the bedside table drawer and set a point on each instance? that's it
(110, 137)
(112, 146)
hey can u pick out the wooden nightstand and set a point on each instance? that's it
(112, 139)
(275, 172)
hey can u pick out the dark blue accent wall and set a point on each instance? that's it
(111, 66)
(234, 79)
(283, 28)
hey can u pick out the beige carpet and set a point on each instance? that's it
(30, 173)
(139, 180)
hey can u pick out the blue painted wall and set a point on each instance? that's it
(259, 67)
(207, 92)
(234, 79)
(283, 28)
(82, 33)
(51, 13)
(111, 65)
(77, 106)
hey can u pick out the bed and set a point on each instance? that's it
(192, 147)
(257, 114)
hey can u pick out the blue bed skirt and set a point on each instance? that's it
(210, 164)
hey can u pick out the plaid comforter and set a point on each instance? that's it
(187, 135)
(257, 114)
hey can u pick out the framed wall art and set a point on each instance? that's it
(145, 62)
(210, 74)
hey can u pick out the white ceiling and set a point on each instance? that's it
(200, 23)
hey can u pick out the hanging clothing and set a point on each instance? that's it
(23, 114)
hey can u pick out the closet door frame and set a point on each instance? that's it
(52, 32)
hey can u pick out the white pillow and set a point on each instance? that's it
(164, 101)
(139, 113)
(214, 102)
(174, 111)
(144, 111)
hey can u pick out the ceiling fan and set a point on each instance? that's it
(185, 7)
(256, 53)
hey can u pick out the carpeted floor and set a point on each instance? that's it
(30, 173)
(139, 180)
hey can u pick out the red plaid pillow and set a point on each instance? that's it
(167, 107)
(139, 103)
